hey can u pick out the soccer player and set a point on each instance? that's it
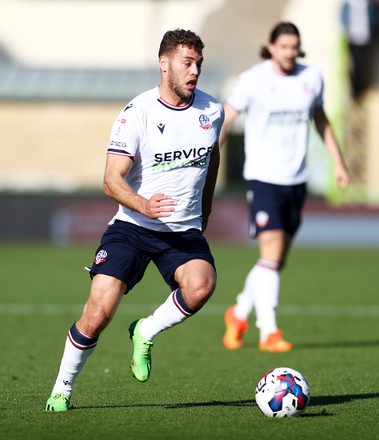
(161, 168)
(280, 97)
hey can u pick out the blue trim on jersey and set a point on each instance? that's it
(120, 152)
(173, 107)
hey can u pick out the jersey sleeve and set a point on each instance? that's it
(239, 97)
(126, 133)
(319, 98)
(220, 119)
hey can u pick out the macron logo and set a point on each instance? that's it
(161, 127)
(128, 107)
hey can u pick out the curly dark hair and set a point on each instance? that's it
(172, 39)
(282, 28)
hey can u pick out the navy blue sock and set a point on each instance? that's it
(182, 305)
(79, 340)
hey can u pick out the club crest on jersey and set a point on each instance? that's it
(204, 122)
(101, 257)
(307, 88)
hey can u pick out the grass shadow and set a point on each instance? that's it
(327, 345)
(247, 403)
(340, 344)
(315, 401)
(336, 400)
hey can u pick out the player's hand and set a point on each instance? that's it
(159, 205)
(342, 176)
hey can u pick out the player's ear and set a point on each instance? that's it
(163, 63)
(270, 47)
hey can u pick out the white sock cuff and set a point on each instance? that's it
(268, 264)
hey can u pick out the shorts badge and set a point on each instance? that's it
(101, 257)
(262, 219)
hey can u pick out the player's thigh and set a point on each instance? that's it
(122, 254)
(187, 252)
(275, 207)
(265, 207)
(106, 293)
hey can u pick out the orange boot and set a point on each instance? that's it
(275, 343)
(235, 328)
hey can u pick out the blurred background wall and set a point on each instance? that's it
(67, 68)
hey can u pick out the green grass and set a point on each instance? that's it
(198, 390)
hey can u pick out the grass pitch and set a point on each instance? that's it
(329, 308)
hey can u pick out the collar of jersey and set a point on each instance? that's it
(174, 107)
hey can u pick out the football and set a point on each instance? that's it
(282, 392)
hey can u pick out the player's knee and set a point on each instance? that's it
(200, 290)
(100, 319)
(93, 321)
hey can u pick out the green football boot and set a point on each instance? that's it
(58, 402)
(140, 364)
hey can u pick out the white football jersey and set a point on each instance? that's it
(170, 148)
(279, 109)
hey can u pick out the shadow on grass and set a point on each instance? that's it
(327, 345)
(173, 405)
(340, 344)
(336, 400)
(315, 401)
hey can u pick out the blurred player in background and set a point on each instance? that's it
(360, 20)
(161, 168)
(280, 98)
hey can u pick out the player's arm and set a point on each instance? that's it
(230, 116)
(115, 186)
(326, 132)
(210, 184)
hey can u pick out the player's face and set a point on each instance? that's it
(284, 52)
(183, 69)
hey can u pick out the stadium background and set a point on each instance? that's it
(67, 67)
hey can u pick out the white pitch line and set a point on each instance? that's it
(208, 310)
